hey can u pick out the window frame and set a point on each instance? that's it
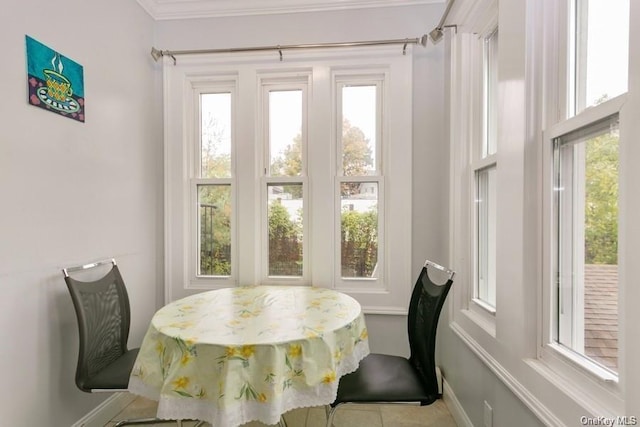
(551, 353)
(283, 82)
(578, 374)
(481, 159)
(194, 158)
(340, 80)
(322, 65)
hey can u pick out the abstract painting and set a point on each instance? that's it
(55, 82)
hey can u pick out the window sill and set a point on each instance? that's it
(584, 364)
(586, 383)
(484, 320)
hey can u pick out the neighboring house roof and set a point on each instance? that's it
(601, 314)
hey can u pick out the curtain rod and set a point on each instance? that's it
(437, 33)
(157, 53)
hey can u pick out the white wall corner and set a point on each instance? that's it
(453, 404)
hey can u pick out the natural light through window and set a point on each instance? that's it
(486, 230)
(586, 208)
(484, 165)
(359, 214)
(215, 140)
(285, 201)
(599, 51)
(213, 186)
(489, 145)
(285, 132)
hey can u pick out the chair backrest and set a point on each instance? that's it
(102, 309)
(426, 303)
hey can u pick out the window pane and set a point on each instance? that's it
(602, 50)
(486, 235)
(359, 124)
(285, 132)
(216, 135)
(214, 202)
(359, 229)
(285, 216)
(491, 94)
(587, 239)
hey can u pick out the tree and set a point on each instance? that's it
(289, 163)
(215, 202)
(359, 238)
(601, 200)
(356, 153)
(357, 157)
(215, 162)
(285, 242)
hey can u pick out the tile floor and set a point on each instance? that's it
(398, 415)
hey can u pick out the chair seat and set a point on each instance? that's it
(115, 375)
(383, 378)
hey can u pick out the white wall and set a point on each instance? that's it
(73, 192)
(430, 150)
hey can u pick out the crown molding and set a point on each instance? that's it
(186, 9)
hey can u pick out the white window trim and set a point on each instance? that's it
(577, 370)
(468, 136)
(222, 84)
(341, 79)
(196, 87)
(274, 82)
(322, 64)
(584, 380)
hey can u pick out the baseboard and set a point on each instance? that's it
(103, 413)
(454, 406)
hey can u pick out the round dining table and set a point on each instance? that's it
(235, 355)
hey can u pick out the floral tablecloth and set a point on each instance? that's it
(236, 355)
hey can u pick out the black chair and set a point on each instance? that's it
(102, 309)
(382, 378)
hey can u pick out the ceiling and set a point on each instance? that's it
(182, 9)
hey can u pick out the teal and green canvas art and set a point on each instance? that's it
(55, 82)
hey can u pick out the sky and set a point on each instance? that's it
(608, 47)
(285, 121)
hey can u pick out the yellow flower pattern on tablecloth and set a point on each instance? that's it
(251, 346)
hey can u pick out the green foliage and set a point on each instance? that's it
(289, 163)
(215, 230)
(359, 229)
(601, 201)
(285, 242)
(359, 237)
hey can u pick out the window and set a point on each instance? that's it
(581, 319)
(284, 114)
(285, 173)
(586, 241)
(212, 183)
(485, 166)
(486, 236)
(359, 178)
(598, 51)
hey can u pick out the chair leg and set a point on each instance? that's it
(143, 421)
(331, 411)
